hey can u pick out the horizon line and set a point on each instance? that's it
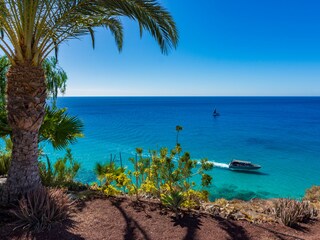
(188, 96)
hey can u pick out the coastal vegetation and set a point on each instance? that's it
(162, 178)
(30, 32)
(58, 128)
(40, 209)
(313, 194)
(290, 211)
(163, 175)
(62, 174)
(5, 156)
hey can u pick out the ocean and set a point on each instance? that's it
(282, 134)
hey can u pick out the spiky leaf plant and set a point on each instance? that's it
(174, 200)
(41, 208)
(290, 212)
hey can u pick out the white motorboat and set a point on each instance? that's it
(240, 165)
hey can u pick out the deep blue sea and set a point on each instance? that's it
(280, 133)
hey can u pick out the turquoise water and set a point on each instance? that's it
(280, 133)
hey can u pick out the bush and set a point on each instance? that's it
(193, 198)
(111, 179)
(5, 161)
(62, 174)
(41, 208)
(5, 156)
(173, 200)
(312, 194)
(291, 211)
(161, 174)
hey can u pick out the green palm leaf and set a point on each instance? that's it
(4, 66)
(56, 77)
(31, 30)
(59, 128)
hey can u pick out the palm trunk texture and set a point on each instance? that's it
(26, 94)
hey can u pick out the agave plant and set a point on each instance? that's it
(173, 199)
(290, 212)
(41, 208)
(30, 31)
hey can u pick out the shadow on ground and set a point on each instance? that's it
(281, 235)
(234, 230)
(191, 222)
(131, 224)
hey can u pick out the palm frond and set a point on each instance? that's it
(31, 30)
(56, 77)
(4, 66)
(60, 129)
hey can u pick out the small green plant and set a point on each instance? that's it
(141, 171)
(173, 200)
(194, 198)
(112, 179)
(5, 156)
(41, 208)
(291, 212)
(63, 172)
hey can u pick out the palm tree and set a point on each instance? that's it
(178, 129)
(30, 31)
(58, 128)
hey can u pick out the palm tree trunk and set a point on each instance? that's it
(26, 92)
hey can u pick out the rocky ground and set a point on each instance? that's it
(122, 218)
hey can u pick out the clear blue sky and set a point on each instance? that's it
(226, 48)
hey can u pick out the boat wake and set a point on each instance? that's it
(216, 164)
(220, 165)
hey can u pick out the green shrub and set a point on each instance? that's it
(5, 157)
(41, 208)
(193, 198)
(163, 173)
(112, 179)
(63, 172)
(5, 161)
(173, 200)
(291, 212)
(312, 194)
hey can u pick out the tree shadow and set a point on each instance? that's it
(281, 235)
(131, 224)
(190, 221)
(234, 231)
(147, 205)
(138, 206)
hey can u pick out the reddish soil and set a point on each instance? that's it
(120, 218)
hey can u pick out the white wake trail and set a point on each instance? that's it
(216, 164)
(220, 165)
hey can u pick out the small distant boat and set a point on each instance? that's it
(215, 113)
(240, 165)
